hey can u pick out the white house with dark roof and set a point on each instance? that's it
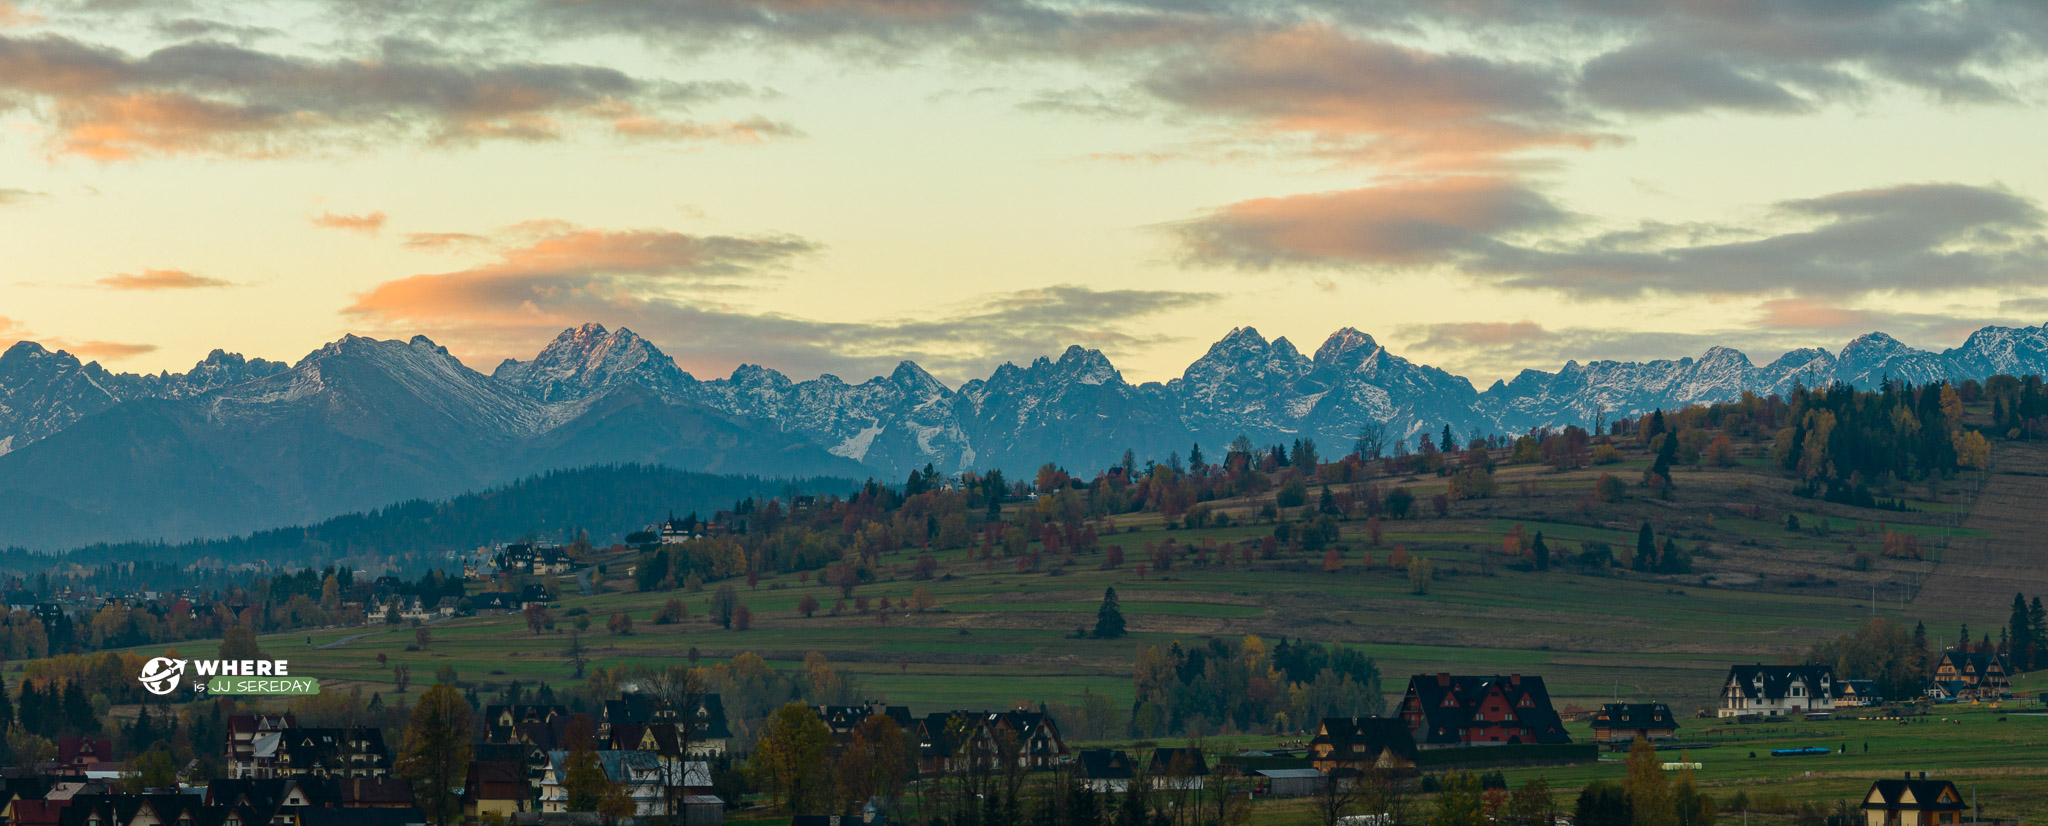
(1765, 690)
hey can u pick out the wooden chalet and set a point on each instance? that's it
(1982, 676)
(1442, 710)
(1361, 744)
(1910, 802)
(1620, 724)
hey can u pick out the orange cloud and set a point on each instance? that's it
(160, 280)
(109, 350)
(11, 15)
(214, 98)
(560, 277)
(1376, 101)
(1406, 223)
(370, 223)
(751, 130)
(1809, 313)
(442, 241)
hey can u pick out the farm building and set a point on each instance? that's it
(1757, 690)
(1443, 711)
(1288, 782)
(1623, 723)
(1910, 802)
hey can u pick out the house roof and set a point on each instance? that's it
(1773, 682)
(1104, 764)
(1364, 737)
(1635, 716)
(375, 791)
(1178, 761)
(1450, 703)
(408, 816)
(1914, 796)
(495, 780)
(74, 750)
(1974, 662)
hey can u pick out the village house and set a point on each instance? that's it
(1361, 744)
(1177, 769)
(1760, 690)
(1967, 675)
(78, 756)
(1443, 711)
(495, 787)
(1104, 771)
(1858, 694)
(357, 751)
(243, 729)
(960, 740)
(1910, 802)
(1621, 724)
(534, 560)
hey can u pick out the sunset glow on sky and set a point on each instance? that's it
(834, 185)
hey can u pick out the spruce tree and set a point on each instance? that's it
(2038, 620)
(1109, 621)
(1541, 552)
(2019, 633)
(1646, 549)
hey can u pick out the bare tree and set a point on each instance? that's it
(678, 693)
(1336, 796)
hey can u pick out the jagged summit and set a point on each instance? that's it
(595, 393)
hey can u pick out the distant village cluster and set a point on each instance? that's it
(667, 756)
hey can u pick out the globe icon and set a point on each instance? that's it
(160, 675)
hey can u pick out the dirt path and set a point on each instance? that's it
(1980, 575)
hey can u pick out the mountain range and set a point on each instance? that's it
(239, 444)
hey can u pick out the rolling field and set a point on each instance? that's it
(1758, 592)
(997, 636)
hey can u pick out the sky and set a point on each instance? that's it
(831, 186)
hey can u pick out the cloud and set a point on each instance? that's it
(442, 241)
(675, 289)
(2032, 305)
(1654, 78)
(161, 280)
(578, 268)
(1455, 335)
(1379, 101)
(1913, 238)
(1400, 224)
(756, 129)
(370, 223)
(11, 15)
(1804, 313)
(103, 350)
(9, 197)
(218, 99)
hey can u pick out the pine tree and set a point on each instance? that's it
(1920, 653)
(1646, 549)
(1447, 444)
(1541, 552)
(1109, 621)
(1195, 456)
(2038, 620)
(2019, 633)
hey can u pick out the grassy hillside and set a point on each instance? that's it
(1758, 591)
